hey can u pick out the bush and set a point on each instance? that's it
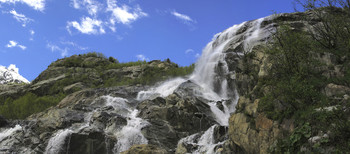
(297, 82)
(28, 104)
(113, 60)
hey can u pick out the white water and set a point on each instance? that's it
(205, 144)
(8, 132)
(131, 133)
(205, 74)
(206, 77)
(128, 136)
(56, 143)
(162, 90)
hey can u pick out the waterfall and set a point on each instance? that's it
(8, 132)
(56, 143)
(211, 75)
(127, 136)
(203, 144)
(212, 70)
(131, 133)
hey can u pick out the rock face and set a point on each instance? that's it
(199, 114)
(145, 149)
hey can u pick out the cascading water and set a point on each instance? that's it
(130, 134)
(214, 86)
(211, 75)
(211, 81)
(8, 132)
(127, 136)
(56, 143)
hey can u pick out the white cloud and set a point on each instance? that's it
(74, 45)
(32, 32)
(197, 55)
(185, 19)
(53, 48)
(124, 14)
(142, 57)
(87, 26)
(182, 17)
(35, 4)
(116, 13)
(22, 47)
(13, 44)
(91, 6)
(20, 18)
(189, 51)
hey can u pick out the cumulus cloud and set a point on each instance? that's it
(91, 6)
(20, 18)
(87, 26)
(123, 14)
(54, 48)
(35, 4)
(13, 44)
(142, 57)
(116, 13)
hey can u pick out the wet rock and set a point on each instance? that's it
(188, 88)
(145, 149)
(170, 122)
(93, 142)
(210, 141)
(3, 121)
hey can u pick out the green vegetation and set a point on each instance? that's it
(149, 76)
(296, 79)
(28, 104)
(91, 70)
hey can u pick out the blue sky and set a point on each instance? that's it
(34, 33)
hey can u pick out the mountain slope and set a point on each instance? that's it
(11, 75)
(260, 86)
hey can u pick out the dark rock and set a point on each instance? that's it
(93, 143)
(3, 122)
(170, 123)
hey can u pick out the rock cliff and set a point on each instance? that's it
(121, 108)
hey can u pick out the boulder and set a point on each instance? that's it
(145, 149)
(333, 90)
(173, 118)
(94, 142)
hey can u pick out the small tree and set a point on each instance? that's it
(113, 60)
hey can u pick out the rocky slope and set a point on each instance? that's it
(213, 110)
(11, 75)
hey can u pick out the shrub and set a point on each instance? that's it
(28, 104)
